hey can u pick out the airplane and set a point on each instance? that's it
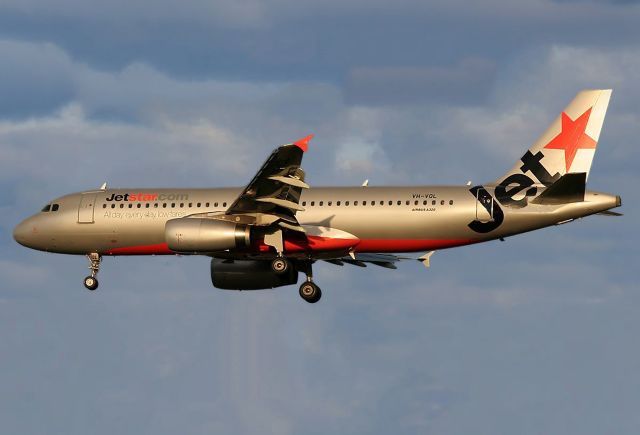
(263, 235)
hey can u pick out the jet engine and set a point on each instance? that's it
(249, 275)
(205, 235)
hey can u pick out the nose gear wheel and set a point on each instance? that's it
(91, 281)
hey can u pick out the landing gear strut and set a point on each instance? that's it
(309, 291)
(91, 282)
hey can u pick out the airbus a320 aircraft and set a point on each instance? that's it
(263, 235)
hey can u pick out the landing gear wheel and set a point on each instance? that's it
(280, 265)
(91, 283)
(310, 292)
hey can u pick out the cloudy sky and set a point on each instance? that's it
(534, 335)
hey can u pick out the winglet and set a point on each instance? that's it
(426, 258)
(303, 143)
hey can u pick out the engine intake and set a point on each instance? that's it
(205, 235)
(249, 275)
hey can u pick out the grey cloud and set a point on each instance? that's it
(467, 82)
(34, 79)
(317, 41)
(610, 2)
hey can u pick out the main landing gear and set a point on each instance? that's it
(309, 291)
(280, 265)
(91, 282)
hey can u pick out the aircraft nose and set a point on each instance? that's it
(21, 233)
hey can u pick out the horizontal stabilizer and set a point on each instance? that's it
(568, 188)
(610, 213)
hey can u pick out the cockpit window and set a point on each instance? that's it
(55, 207)
(46, 208)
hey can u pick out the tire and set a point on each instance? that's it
(310, 292)
(91, 283)
(280, 265)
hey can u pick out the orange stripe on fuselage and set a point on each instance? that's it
(319, 244)
(159, 249)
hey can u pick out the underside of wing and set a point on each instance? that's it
(383, 260)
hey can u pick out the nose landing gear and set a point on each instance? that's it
(91, 282)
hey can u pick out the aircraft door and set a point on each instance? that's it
(85, 210)
(484, 206)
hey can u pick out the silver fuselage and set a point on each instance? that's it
(384, 219)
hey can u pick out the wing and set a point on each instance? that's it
(383, 260)
(273, 195)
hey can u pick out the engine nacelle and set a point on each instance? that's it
(249, 275)
(205, 235)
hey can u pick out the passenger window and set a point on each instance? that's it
(55, 207)
(198, 204)
(113, 206)
(424, 202)
(147, 205)
(320, 203)
(190, 205)
(399, 202)
(104, 205)
(442, 202)
(173, 205)
(407, 202)
(215, 204)
(207, 205)
(451, 202)
(164, 205)
(224, 204)
(364, 202)
(313, 203)
(337, 203)
(155, 205)
(121, 205)
(130, 205)
(304, 203)
(390, 202)
(346, 203)
(433, 202)
(181, 204)
(381, 202)
(355, 202)
(46, 208)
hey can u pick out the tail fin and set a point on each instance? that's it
(568, 145)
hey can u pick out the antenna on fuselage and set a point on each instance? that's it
(365, 183)
(104, 186)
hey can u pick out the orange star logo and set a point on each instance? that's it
(572, 137)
